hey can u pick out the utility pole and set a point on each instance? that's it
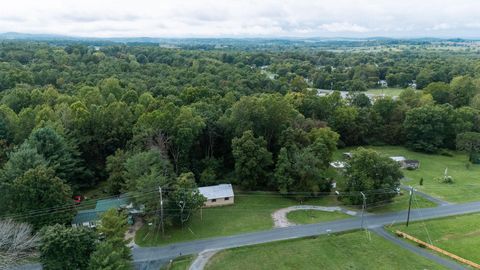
(161, 211)
(409, 205)
(363, 206)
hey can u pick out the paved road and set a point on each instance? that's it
(418, 250)
(165, 253)
(428, 197)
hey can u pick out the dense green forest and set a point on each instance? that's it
(141, 116)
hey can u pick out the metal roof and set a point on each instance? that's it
(398, 158)
(86, 216)
(104, 205)
(216, 192)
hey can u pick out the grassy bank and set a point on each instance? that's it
(459, 235)
(352, 250)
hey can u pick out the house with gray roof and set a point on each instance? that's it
(217, 195)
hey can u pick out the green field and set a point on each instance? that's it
(391, 92)
(467, 179)
(399, 203)
(459, 235)
(350, 250)
(314, 216)
(251, 212)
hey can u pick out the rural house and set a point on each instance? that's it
(89, 218)
(217, 195)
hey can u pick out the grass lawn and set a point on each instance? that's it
(251, 212)
(314, 216)
(400, 203)
(467, 179)
(386, 91)
(459, 235)
(351, 250)
(180, 263)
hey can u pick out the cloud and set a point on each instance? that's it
(259, 18)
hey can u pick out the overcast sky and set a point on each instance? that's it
(243, 18)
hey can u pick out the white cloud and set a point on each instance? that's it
(264, 18)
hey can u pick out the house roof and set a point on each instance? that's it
(338, 164)
(104, 205)
(398, 158)
(85, 216)
(218, 191)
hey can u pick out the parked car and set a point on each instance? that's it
(78, 199)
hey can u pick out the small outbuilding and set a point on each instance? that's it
(347, 155)
(217, 195)
(411, 164)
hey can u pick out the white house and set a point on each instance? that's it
(217, 195)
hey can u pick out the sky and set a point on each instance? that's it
(243, 18)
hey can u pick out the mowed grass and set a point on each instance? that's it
(314, 216)
(251, 212)
(467, 177)
(351, 250)
(391, 92)
(399, 203)
(459, 234)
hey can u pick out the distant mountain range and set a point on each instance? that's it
(54, 37)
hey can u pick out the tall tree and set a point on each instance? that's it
(39, 189)
(251, 160)
(66, 247)
(470, 142)
(184, 199)
(377, 176)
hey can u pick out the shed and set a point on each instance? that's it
(347, 155)
(411, 164)
(217, 195)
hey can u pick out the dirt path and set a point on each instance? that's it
(202, 259)
(280, 216)
(130, 234)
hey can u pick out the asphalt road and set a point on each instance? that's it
(144, 256)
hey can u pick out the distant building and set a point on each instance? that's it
(338, 164)
(383, 83)
(347, 155)
(404, 163)
(411, 164)
(217, 195)
(398, 159)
